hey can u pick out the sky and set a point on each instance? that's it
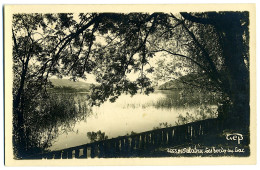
(131, 76)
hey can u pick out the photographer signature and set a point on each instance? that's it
(234, 137)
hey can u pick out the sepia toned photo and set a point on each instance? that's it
(141, 84)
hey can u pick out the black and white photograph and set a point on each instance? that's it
(119, 83)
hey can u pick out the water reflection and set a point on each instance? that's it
(128, 114)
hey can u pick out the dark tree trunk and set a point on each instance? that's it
(237, 74)
(235, 111)
(18, 128)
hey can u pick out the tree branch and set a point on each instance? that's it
(189, 17)
(213, 73)
(184, 56)
(68, 39)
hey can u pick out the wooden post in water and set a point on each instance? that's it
(88, 151)
(155, 138)
(76, 153)
(57, 155)
(84, 152)
(117, 149)
(170, 136)
(195, 131)
(182, 134)
(191, 133)
(186, 133)
(92, 152)
(176, 137)
(106, 149)
(70, 153)
(112, 148)
(206, 127)
(132, 147)
(137, 139)
(64, 154)
(200, 130)
(127, 146)
(147, 140)
(101, 149)
(123, 147)
(142, 145)
(164, 137)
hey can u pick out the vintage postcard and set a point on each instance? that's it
(130, 84)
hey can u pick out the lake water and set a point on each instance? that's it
(138, 114)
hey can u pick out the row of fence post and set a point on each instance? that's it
(134, 145)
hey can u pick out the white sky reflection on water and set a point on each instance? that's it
(117, 119)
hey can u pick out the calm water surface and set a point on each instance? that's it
(127, 114)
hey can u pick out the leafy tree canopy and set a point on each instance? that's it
(213, 46)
